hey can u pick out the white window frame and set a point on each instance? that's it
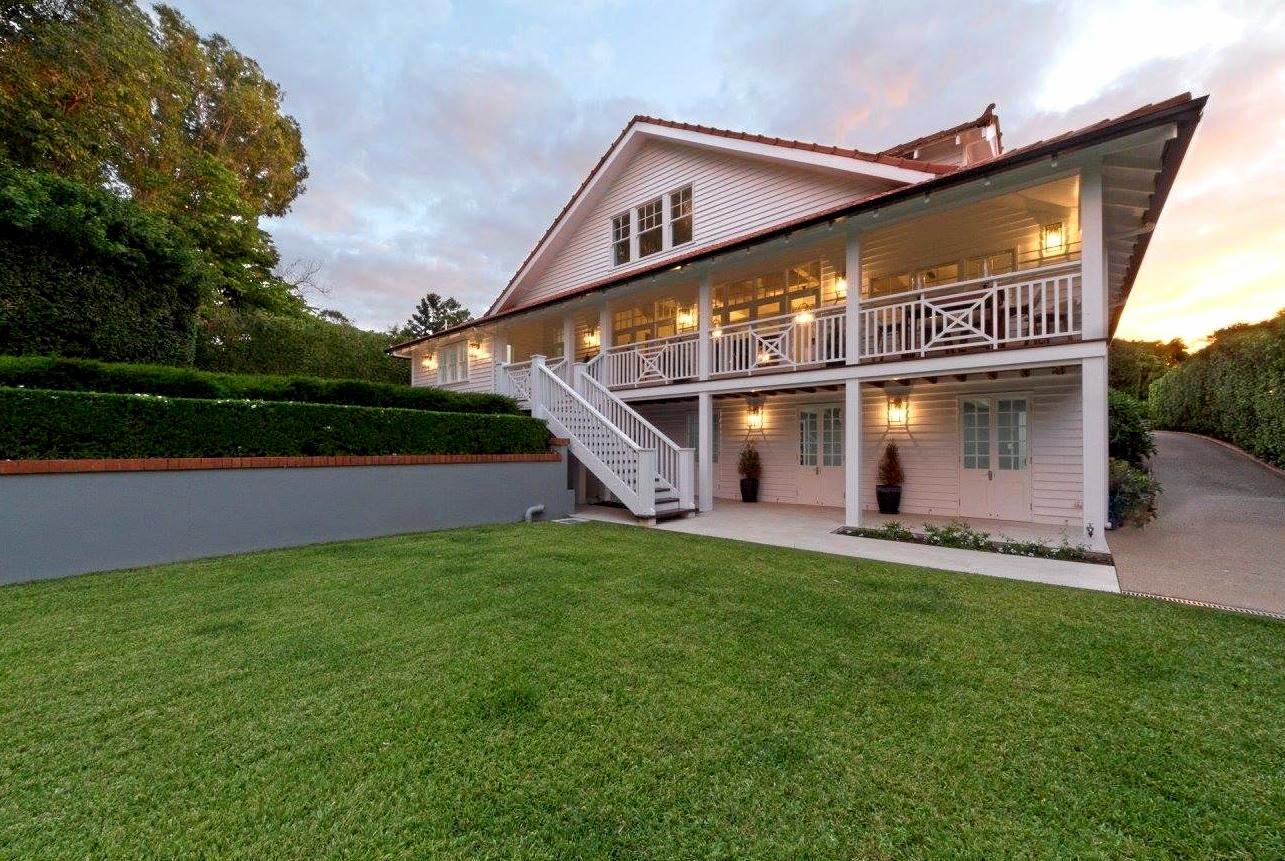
(673, 199)
(452, 363)
(622, 220)
(648, 221)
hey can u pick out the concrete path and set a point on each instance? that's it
(810, 527)
(1220, 536)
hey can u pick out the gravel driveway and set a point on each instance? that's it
(1220, 536)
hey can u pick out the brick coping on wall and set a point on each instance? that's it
(170, 464)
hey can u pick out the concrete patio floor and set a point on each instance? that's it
(809, 527)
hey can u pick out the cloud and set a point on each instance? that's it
(444, 138)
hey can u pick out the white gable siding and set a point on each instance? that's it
(732, 195)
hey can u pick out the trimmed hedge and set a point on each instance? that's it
(251, 342)
(41, 372)
(1234, 390)
(37, 424)
(1128, 436)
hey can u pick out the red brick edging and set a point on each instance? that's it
(166, 464)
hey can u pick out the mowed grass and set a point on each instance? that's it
(556, 691)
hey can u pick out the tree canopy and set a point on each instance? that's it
(433, 314)
(1134, 365)
(186, 126)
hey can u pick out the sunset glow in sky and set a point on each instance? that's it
(443, 138)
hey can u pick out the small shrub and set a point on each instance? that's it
(1132, 494)
(893, 531)
(1128, 435)
(42, 372)
(37, 424)
(750, 464)
(957, 534)
(890, 471)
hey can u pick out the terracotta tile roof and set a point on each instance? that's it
(878, 158)
(1181, 105)
(988, 116)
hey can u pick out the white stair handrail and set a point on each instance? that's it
(626, 468)
(674, 463)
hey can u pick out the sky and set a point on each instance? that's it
(443, 137)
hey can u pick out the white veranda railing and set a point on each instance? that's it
(649, 363)
(514, 379)
(675, 464)
(990, 314)
(783, 342)
(626, 468)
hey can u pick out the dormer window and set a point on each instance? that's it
(620, 238)
(680, 216)
(651, 218)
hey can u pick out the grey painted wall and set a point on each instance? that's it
(63, 524)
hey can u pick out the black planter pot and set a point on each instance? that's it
(889, 496)
(749, 490)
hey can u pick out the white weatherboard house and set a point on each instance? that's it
(704, 288)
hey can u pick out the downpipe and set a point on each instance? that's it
(531, 513)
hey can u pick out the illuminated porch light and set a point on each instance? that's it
(685, 318)
(764, 357)
(898, 410)
(592, 339)
(717, 333)
(475, 350)
(841, 288)
(754, 414)
(804, 317)
(429, 362)
(1053, 238)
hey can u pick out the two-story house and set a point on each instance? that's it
(705, 289)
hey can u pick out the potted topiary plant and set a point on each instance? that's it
(891, 476)
(751, 469)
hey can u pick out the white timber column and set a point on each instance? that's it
(704, 316)
(1093, 262)
(604, 327)
(1093, 408)
(705, 451)
(852, 453)
(569, 339)
(852, 274)
(499, 356)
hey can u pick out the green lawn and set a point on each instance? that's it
(597, 691)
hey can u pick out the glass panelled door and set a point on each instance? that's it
(821, 455)
(994, 457)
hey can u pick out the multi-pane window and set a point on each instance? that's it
(452, 363)
(976, 419)
(620, 238)
(805, 285)
(807, 438)
(832, 436)
(1011, 432)
(680, 216)
(651, 217)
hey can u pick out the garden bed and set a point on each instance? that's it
(961, 536)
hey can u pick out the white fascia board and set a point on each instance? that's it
(796, 155)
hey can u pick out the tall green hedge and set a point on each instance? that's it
(42, 372)
(250, 342)
(36, 424)
(1233, 389)
(86, 273)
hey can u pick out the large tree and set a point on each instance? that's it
(99, 91)
(433, 314)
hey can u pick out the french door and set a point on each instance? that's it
(821, 455)
(994, 457)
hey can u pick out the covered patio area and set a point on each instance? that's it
(812, 527)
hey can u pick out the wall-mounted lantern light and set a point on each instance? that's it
(804, 317)
(592, 339)
(429, 362)
(754, 414)
(841, 288)
(685, 318)
(898, 410)
(475, 350)
(1053, 238)
(716, 333)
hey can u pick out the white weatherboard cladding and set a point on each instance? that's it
(732, 195)
(480, 373)
(929, 446)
